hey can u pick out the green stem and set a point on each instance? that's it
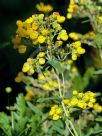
(12, 120)
(65, 111)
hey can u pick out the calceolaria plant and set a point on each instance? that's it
(57, 101)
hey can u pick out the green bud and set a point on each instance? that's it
(8, 89)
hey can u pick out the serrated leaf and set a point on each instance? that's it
(20, 105)
(4, 124)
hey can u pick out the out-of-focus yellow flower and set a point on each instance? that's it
(75, 92)
(82, 104)
(26, 67)
(41, 61)
(70, 62)
(73, 101)
(69, 15)
(41, 54)
(22, 48)
(74, 36)
(53, 84)
(74, 69)
(46, 87)
(100, 19)
(29, 95)
(55, 112)
(19, 77)
(41, 77)
(97, 107)
(44, 8)
(55, 117)
(74, 57)
(66, 101)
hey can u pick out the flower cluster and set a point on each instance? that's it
(29, 66)
(44, 8)
(72, 9)
(37, 30)
(77, 50)
(81, 100)
(55, 112)
(47, 80)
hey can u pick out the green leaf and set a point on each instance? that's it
(96, 133)
(20, 105)
(5, 124)
(57, 65)
(98, 119)
(34, 108)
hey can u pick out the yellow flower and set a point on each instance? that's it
(34, 35)
(52, 112)
(26, 67)
(86, 97)
(46, 87)
(29, 20)
(41, 77)
(75, 92)
(69, 15)
(35, 26)
(63, 35)
(41, 61)
(19, 23)
(22, 48)
(56, 117)
(58, 111)
(41, 39)
(58, 43)
(41, 54)
(80, 50)
(66, 101)
(74, 36)
(44, 8)
(53, 83)
(45, 32)
(93, 100)
(60, 19)
(19, 77)
(73, 101)
(100, 19)
(73, 69)
(97, 107)
(90, 104)
(31, 71)
(70, 62)
(74, 57)
(76, 44)
(80, 95)
(82, 104)
(29, 95)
